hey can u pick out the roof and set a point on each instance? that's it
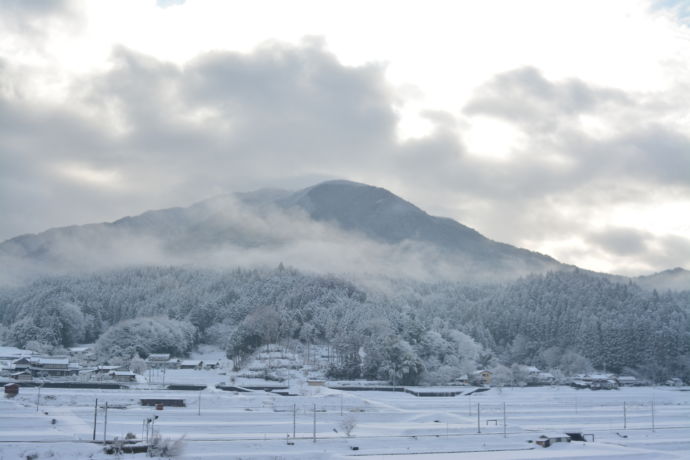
(599, 376)
(13, 352)
(191, 362)
(107, 368)
(50, 360)
(79, 349)
(159, 357)
(123, 373)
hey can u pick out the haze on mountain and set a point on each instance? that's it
(335, 226)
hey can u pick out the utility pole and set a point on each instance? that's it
(341, 405)
(479, 427)
(294, 419)
(625, 417)
(105, 423)
(199, 405)
(653, 426)
(505, 426)
(38, 397)
(95, 413)
(314, 422)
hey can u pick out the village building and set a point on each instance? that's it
(628, 381)
(11, 389)
(53, 367)
(123, 376)
(162, 361)
(481, 377)
(22, 376)
(191, 364)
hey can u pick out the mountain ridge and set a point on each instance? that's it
(339, 212)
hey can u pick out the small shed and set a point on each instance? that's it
(164, 402)
(11, 388)
(547, 440)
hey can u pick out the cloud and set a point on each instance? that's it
(525, 97)
(622, 241)
(169, 3)
(147, 134)
(30, 23)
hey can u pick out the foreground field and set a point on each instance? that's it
(631, 423)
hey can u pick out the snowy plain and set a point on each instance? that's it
(229, 425)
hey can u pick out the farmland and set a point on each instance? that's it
(642, 423)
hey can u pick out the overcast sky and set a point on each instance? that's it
(558, 126)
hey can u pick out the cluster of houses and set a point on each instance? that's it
(165, 361)
(532, 376)
(28, 367)
(483, 377)
(24, 365)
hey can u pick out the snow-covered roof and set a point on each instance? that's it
(44, 361)
(79, 349)
(107, 368)
(123, 373)
(191, 362)
(599, 376)
(13, 352)
(627, 378)
(159, 357)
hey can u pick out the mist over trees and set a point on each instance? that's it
(405, 332)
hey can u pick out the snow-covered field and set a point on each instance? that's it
(256, 425)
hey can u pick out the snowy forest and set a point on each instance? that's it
(405, 332)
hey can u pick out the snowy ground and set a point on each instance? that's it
(256, 425)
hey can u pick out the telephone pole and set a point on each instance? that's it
(105, 423)
(95, 413)
(479, 427)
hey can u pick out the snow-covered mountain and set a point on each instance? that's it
(331, 220)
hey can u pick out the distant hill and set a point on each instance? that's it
(675, 279)
(328, 222)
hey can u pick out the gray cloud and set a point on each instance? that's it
(32, 21)
(289, 116)
(524, 96)
(622, 241)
